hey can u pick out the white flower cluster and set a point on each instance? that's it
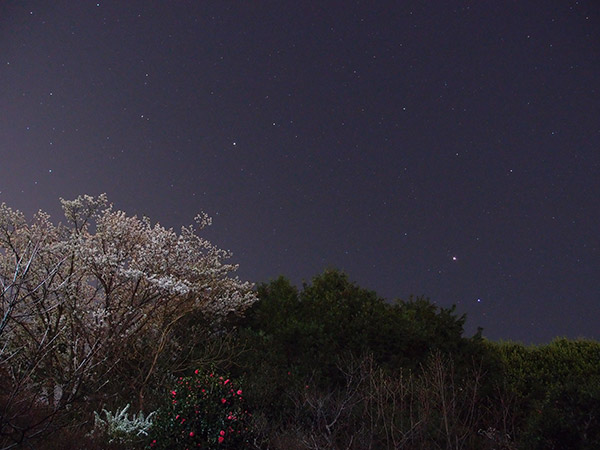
(135, 262)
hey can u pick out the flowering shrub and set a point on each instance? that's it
(205, 411)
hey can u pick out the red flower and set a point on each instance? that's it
(223, 401)
(222, 432)
(221, 439)
(191, 434)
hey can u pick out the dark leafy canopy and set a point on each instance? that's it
(333, 316)
(556, 391)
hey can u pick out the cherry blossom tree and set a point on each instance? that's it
(76, 296)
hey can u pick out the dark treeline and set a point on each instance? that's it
(334, 366)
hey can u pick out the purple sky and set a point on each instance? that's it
(450, 149)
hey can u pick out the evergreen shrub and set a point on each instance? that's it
(205, 411)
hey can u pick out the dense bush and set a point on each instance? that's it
(203, 411)
(298, 340)
(556, 392)
(331, 316)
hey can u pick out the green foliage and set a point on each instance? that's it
(556, 362)
(204, 411)
(557, 392)
(333, 316)
(296, 338)
(538, 370)
(409, 330)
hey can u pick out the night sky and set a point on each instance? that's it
(443, 148)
